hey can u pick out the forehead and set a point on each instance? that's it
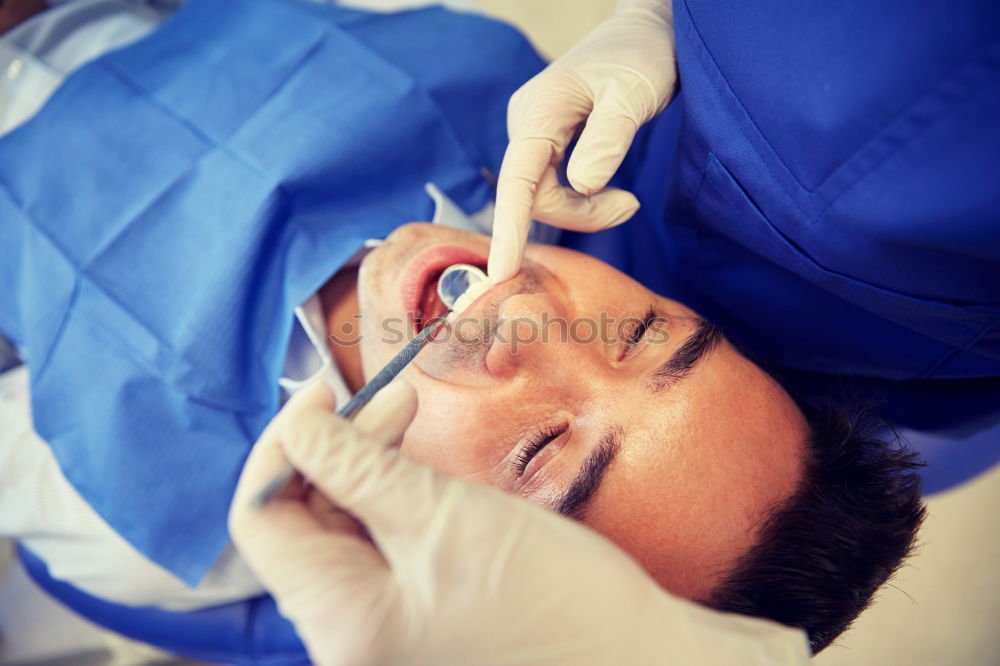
(701, 465)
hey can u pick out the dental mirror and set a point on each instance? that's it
(456, 280)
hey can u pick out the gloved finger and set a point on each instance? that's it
(261, 466)
(395, 498)
(287, 532)
(266, 459)
(330, 516)
(524, 163)
(293, 543)
(353, 464)
(286, 539)
(307, 423)
(316, 395)
(387, 424)
(601, 148)
(325, 581)
(566, 208)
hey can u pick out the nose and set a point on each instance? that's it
(533, 335)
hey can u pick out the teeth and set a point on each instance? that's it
(474, 291)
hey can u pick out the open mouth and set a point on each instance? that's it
(420, 295)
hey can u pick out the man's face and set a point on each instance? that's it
(668, 442)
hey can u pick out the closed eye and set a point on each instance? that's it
(639, 330)
(534, 445)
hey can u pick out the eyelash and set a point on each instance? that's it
(637, 334)
(536, 443)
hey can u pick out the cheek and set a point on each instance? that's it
(446, 442)
(423, 441)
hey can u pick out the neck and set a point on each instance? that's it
(339, 298)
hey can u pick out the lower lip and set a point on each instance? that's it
(422, 267)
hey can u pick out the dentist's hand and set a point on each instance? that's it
(453, 573)
(616, 78)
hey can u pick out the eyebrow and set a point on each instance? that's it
(679, 365)
(588, 479)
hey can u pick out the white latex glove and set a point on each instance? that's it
(454, 573)
(616, 78)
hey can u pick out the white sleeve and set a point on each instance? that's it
(42, 510)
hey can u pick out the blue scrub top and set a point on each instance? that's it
(827, 190)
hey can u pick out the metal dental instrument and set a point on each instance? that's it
(454, 282)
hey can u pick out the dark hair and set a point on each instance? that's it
(852, 521)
